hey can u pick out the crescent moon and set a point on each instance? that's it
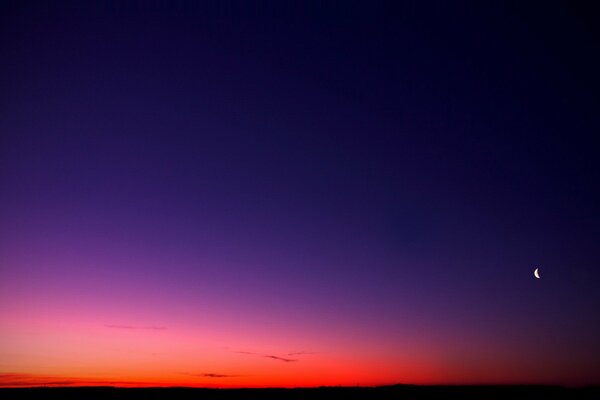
(536, 273)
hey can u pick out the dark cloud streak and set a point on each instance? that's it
(212, 375)
(271, 356)
(12, 379)
(302, 353)
(280, 358)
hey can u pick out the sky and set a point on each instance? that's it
(259, 194)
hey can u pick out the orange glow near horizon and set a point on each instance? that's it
(93, 349)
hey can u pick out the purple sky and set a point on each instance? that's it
(370, 180)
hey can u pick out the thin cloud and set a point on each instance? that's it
(280, 358)
(132, 327)
(32, 380)
(120, 326)
(302, 353)
(271, 356)
(212, 375)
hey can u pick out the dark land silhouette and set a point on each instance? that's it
(407, 392)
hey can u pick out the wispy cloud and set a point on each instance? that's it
(302, 353)
(280, 358)
(271, 356)
(132, 327)
(121, 326)
(211, 375)
(16, 379)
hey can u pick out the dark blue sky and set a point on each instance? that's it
(380, 159)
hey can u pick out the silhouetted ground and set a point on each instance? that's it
(400, 392)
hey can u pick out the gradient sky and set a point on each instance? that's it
(298, 194)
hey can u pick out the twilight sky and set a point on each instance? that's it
(298, 194)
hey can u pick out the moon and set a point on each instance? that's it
(536, 273)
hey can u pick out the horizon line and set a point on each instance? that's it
(394, 385)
